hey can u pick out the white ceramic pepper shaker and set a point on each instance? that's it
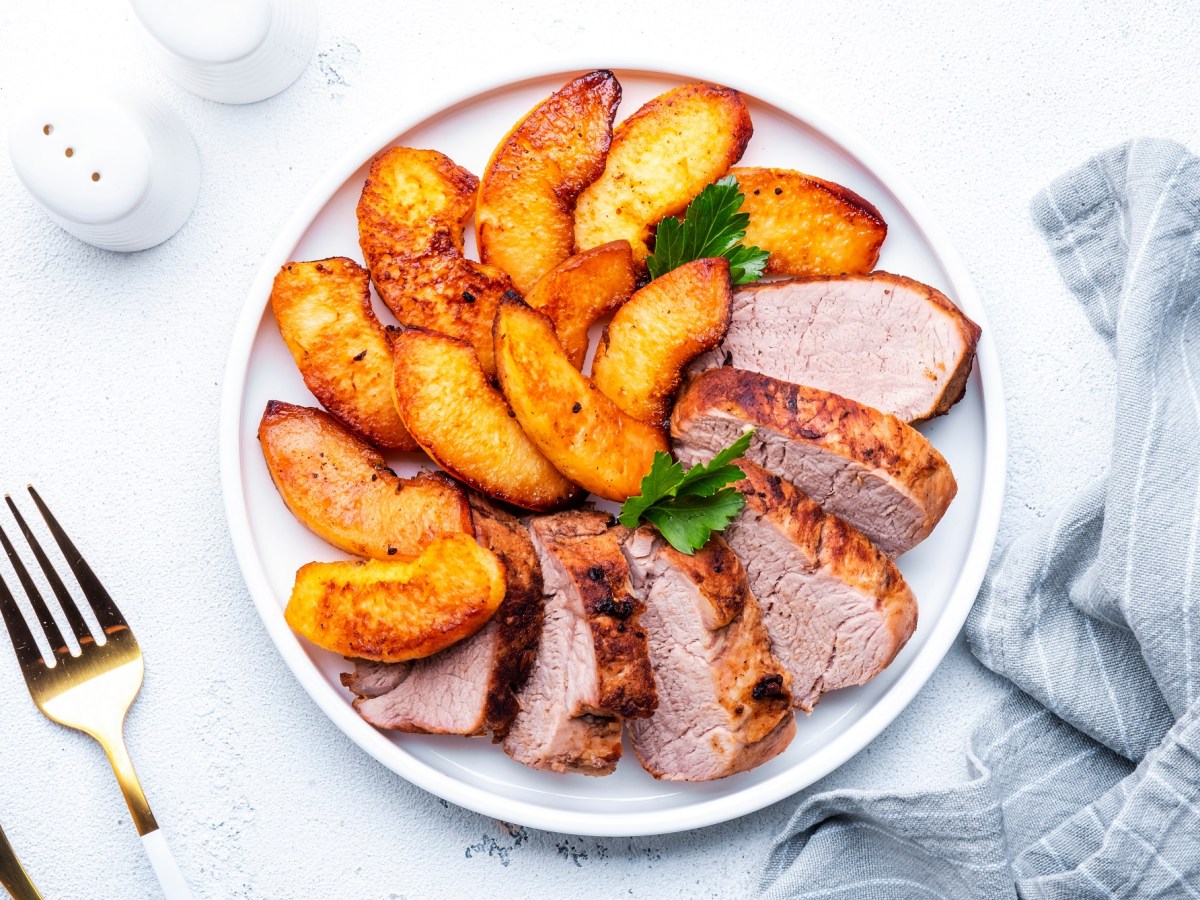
(232, 51)
(114, 168)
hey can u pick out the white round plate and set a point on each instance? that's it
(944, 572)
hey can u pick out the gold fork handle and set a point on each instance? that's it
(170, 878)
(135, 798)
(12, 873)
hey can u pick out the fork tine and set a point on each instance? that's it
(106, 611)
(83, 634)
(23, 643)
(49, 626)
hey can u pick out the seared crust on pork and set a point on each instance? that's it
(724, 699)
(871, 469)
(593, 665)
(837, 608)
(518, 621)
(590, 554)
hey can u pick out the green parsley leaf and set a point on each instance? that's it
(746, 264)
(687, 507)
(664, 477)
(688, 522)
(711, 226)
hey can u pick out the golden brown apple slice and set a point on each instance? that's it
(664, 326)
(582, 290)
(411, 215)
(808, 225)
(525, 218)
(398, 610)
(464, 423)
(587, 436)
(325, 317)
(342, 490)
(661, 157)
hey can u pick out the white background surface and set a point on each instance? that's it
(111, 369)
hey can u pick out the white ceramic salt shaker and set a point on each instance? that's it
(113, 167)
(232, 51)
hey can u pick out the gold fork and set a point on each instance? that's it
(91, 692)
(13, 875)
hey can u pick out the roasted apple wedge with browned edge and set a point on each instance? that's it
(582, 290)
(809, 226)
(411, 215)
(664, 326)
(341, 489)
(396, 610)
(323, 309)
(525, 218)
(660, 158)
(461, 420)
(583, 433)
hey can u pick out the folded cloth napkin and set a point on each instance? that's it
(1085, 782)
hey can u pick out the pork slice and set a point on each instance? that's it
(724, 701)
(872, 470)
(593, 666)
(837, 609)
(887, 341)
(470, 687)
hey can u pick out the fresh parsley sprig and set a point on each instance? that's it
(711, 226)
(687, 507)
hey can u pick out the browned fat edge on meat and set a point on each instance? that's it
(827, 572)
(590, 552)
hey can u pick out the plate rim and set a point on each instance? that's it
(712, 810)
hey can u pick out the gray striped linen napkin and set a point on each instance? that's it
(1085, 781)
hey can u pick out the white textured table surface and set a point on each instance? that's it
(111, 369)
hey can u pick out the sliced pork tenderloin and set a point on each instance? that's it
(470, 687)
(870, 469)
(593, 665)
(837, 609)
(884, 340)
(724, 704)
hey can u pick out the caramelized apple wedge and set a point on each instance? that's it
(525, 218)
(808, 225)
(325, 317)
(660, 158)
(464, 423)
(392, 611)
(342, 490)
(582, 290)
(411, 215)
(583, 433)
(664, 326)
